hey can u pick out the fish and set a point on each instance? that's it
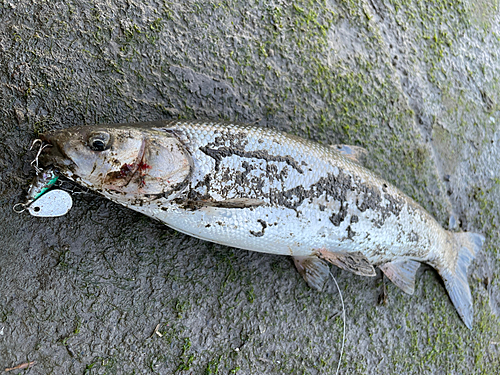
(263, 190)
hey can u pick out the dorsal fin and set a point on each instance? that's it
(356, 153)
(313, 270)
(401, 273)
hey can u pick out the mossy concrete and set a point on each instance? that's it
(414, 82)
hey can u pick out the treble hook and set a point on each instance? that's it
(34, 163)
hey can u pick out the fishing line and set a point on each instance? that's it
(343, 318)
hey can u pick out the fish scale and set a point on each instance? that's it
(299, 230)
(263, 190)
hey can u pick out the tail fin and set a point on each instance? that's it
(455, 278)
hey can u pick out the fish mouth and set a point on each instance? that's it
(53, 155)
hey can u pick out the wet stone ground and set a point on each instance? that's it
(414, 82)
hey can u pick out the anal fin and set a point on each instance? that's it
(401, 273)
(313, 270)
(355, 261)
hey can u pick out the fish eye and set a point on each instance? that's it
(99, 141)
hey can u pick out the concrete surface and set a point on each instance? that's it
(414, 82)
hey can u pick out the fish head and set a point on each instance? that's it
(128, 163)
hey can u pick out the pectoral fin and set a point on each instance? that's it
(313, 270)
(402, 274)
(228, 203)
(355, 262)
